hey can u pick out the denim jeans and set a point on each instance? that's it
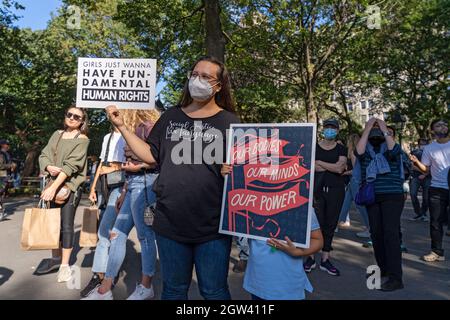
(350, 194)
(414, 185)
(211, 260)
(132, 214)
(108, 217)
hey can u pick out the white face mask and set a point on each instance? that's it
(200, 90)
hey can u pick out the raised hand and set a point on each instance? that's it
(114, 116)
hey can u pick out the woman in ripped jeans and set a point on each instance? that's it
(136, 196)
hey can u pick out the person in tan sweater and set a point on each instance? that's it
(64, 161)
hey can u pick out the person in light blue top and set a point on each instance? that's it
(275, 268)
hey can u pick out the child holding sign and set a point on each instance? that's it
(275, 268)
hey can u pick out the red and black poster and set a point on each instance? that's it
(269, 191)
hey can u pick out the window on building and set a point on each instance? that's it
(350, 106)
(363, 104)
(371, 104)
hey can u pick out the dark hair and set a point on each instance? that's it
(84, 127)
(392, 128)
(422, 140)
(223, 98)
(434, 122)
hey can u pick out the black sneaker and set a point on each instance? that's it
(309, 264)
(416, 218)
(391, 285)
(93, 283)
(48, 265)
(328, 267)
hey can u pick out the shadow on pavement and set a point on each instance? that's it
(5, 274)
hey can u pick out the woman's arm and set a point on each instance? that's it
(139, 147)
(361, 146)
(94, 183)
(337, 167)
(389, 139)
(49, 193)
(425, 169)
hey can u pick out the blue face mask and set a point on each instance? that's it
(330, 133)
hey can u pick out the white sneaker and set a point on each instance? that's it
(142, 293)
(344, 225)
(64, 274)
(432, 257)
(95, 295)
(363, 234)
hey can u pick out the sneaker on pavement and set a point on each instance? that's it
(309, 265)
(363, 234)
(328, 267)
(368, 244)
(48, 265)
(95, 295)
(425, 218)
(142, 293)
(403, 248)
(94, 283)
(64, 273)
(416, 218)
(432, 257)
(344, 225)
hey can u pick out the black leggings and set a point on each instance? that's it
(68, 210)
(384, 220)
(327, 204)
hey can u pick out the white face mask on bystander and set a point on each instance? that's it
(200, 90)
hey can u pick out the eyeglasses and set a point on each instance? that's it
(203, 76)
(75, 117)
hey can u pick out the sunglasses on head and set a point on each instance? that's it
(75, 117)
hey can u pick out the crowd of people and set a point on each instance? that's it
(175, 208)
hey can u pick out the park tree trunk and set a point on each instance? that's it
(215, 41)
(31, 160)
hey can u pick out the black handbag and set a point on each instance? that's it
(116, 178)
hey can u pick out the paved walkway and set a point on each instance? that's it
(422, 280)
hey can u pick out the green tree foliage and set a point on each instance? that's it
(289, 60)
(415, 61)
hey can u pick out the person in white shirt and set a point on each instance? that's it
(111, 159)
(436, 160)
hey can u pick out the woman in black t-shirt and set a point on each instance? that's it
(189, 187)
(329, 191)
